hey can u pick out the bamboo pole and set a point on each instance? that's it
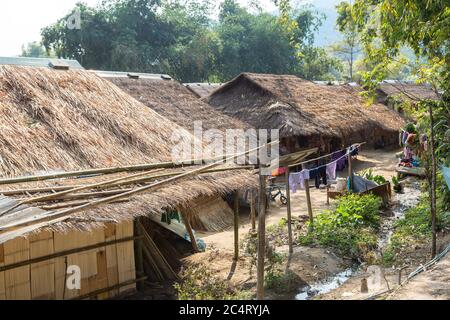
(252, 210)
(236, 226)
(59, 216)
(350, 171)
(261, 237)
(289, 213)
(99, 171)
(61, 194)
(116, 184)
(189, 230)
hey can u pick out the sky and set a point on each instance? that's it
(22, 20)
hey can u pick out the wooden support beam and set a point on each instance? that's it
(252, 210)
(236, 226)
(350, 171)
(138, 254)
(308, 202)
(289, 213)
(187, 224)
(261, 237)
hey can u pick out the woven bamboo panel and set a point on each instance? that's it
(42, 273)
(17, 281)
(111, 259)
(126, 267)
(100, 268)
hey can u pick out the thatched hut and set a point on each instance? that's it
(393, 92)
(306, 114)
(61, 121)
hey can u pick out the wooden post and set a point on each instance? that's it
(261, 237)
(432, 184)
(308, 202)
(236, 226)
(289, 216)
(187, 224)
(138, 253)
(252, 210)
(350, 170)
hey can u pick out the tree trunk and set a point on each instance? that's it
(433, 183)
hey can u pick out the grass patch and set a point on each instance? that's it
(350, 229)
(199, 283)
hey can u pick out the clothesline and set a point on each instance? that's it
(327, 155)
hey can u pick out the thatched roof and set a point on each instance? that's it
(202, 90)
(301, 108)
(72, 120)
(406, 91)
(175, 102)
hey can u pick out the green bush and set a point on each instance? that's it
(350, 229)
(369, 175)
(199, 283)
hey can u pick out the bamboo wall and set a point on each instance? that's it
(101, 268)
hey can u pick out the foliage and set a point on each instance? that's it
(199, 283)
(349, 48)
(180, 38)
(396, 184)
(273, 259)
(350, 228)
(413, 229)
(35, 50)
(369, 175)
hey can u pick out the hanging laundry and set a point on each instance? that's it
(298, 179)
(404, 137)
(446, 172)
(408, 153)
(278, 172)
(339, 156)
(331, 170)
(318, 174)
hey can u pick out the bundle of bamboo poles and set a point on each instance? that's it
(144, 182)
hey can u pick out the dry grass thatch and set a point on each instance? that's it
(301, 108)
(71, 120)
(202, 90)
(175, 102)
(406, 91)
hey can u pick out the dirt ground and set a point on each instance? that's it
(308, 264)
(433, 284)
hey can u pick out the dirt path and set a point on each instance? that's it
(433, 284)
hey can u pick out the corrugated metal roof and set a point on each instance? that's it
(39, 62)
(119, 74)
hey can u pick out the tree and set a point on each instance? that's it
(387, 25)
(34, 49)
(300, 26)
(349, 48)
